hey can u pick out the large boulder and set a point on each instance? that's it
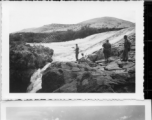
(92, 57)
(65, 66)
(52, 80)
(112, 66)
(98, 55)
(69, 75)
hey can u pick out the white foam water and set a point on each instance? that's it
(36, 79)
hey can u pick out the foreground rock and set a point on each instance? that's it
(93, 75)
(69, 77)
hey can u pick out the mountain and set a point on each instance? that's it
(52, 28)
(108, 22)
(103, 22)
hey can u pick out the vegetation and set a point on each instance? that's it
(58, 36)
(24, 60)
(24, 56)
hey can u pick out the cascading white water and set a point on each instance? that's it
(65, 51)
(36, 79)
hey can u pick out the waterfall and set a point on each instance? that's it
(36, 79)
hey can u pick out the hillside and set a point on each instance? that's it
(108, 22)
(103, 22)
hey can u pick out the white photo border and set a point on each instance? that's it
(138, 8)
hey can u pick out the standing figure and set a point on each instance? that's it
(126, 50)
(106, 50)
(76, 52)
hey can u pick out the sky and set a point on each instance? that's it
(24, 15)
(77, 113)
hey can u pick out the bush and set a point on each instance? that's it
(24, 60)
(58, 36)
(24, 56)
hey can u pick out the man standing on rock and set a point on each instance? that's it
(107, 50)
(76, 52)
(127, 46)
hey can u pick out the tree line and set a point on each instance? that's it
(58, 36)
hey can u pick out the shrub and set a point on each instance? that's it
(24, 60)
(24, 56)
(58, 36)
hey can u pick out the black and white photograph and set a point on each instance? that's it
(73, 47)
(77, 110)
(77, 113)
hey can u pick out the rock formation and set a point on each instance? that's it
(87, 77)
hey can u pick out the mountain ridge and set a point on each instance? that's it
(102, 22)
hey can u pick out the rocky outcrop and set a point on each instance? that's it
(98, 55)
(86, 76)
(116, 50)
(70, 77)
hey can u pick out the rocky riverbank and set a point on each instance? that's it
(87, 77)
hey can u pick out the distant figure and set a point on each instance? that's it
(82, 55)
(84, 60)
(107, 50)
(76, 52)
(127, 46)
